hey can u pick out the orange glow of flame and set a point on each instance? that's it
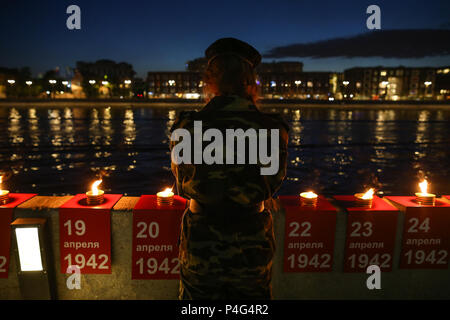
(368, 194)
(1, 180)
(423, 186)
(95, 187)
(166, 193)
(309, 195)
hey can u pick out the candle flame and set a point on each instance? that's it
(423, 186)
(166, 193)
(309, 195)
(368, 194)
(95, 187)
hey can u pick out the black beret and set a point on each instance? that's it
(233, 46)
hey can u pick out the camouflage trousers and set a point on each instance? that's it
(226, 255)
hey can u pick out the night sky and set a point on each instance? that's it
(163, 35)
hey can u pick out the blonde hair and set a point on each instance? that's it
(229, 74)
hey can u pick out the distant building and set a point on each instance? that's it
(277, 80)
(300, 85)
(106, 69)
(178, 84)
(286, 80)
(388, 83)
(442, 87)
(106, 78)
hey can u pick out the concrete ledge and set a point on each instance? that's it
(398, 284)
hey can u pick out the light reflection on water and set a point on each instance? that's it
(333, 151)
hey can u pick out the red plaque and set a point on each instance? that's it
(156, 229)
(370, 237)
(426, 234)
(85, 234)
(6, 214)
(309, 235)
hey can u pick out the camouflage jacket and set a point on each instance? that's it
(235, 184)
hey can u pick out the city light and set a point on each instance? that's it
(297, 82)
(65, 83)
(105, 83)
(92, 81)
(52, 81)
(29, 83)
(427, 83)
(345, 83)
(11, 81)
(192, 96)
(127, 82)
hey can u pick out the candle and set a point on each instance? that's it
(95, 196)
(308, 199)
(165, 197)
(423, 197)
(365, 199)
(4, 194)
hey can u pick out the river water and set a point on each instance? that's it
(58, 150)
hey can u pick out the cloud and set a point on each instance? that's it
(383, 43)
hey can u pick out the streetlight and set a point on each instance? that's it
(127, 82)
(345, 83)
(297, 83)
(52, 82)
(427, 85)
(105, 83)
(64, 83)
(92, 82)
(11, 81)
(29, 83)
